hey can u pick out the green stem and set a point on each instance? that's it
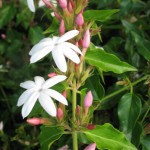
(123, 89)
(74, 103)
(145, 115)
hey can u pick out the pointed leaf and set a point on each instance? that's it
(99, 15)
(48, 136)
(107, 62)
(128, 112)
(107, 137)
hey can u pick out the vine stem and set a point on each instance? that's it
(124, 88)
(74, 103)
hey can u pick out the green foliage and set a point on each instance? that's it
(107, 62)
(128, 112)
(48, 136)
(105, 134)
(99, 15)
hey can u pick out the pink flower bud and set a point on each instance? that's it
(50, 75)
(60, 114)
(64, 93)
(88, 100)
(91, 147)
(86, 39)
(70, 7)
(57, 16)
(3, 36)
(78, 110)
(35, 121)
(47, 3)
(62, 27)
(79, 19)
(63, 3)
(90, 126)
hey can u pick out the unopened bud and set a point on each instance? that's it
(70, 7)
(3, 36)
(62, 27)
(57, 16)
(78, 110)
(88, 100)
(79, 19)
(63, 3)
(64, 93)
(50, 75)
(91, 147)
(90, 126)
(86, 39)
(47, 3)
(60, 114)
(35, 121)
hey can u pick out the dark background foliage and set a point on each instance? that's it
(126, 35)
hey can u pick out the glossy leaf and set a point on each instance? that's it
(7, 14)
(99, 15)
(142, 46)
(128, 112)
(35, 34)
(107, 137)
(107, 62)
(48, 136)
(145, 141)
(93, 84)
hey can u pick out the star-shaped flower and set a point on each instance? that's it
(59, 48)
(39, 89)
(41, 3)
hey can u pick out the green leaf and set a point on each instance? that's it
(35, 34)
(142, 45)
(93, 84)
(48, 136)
(7, 14)
(145, 141)
(128, 112)
(99, 15)
(136, 134)
(107, 62)
(107, 137)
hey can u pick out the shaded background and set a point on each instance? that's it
(126, 34)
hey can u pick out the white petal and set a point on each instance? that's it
(52, 81)
(40, 54)
(25, 96)
(27, 84)
(31, 5)
(47, 104)
(27, 107)
(59, 59)
(42, 44)
(41, 3)
(54, 94)
(68, 35)
(39, 81)
(69, 53)
(70, 45)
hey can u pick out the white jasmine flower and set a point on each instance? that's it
(41, 4)
(39, 89)
(31, 5)
(59, 48)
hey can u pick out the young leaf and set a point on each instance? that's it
(48, 136)
(107, 137)
(107, 62)
(99, 15)
(128, 112)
